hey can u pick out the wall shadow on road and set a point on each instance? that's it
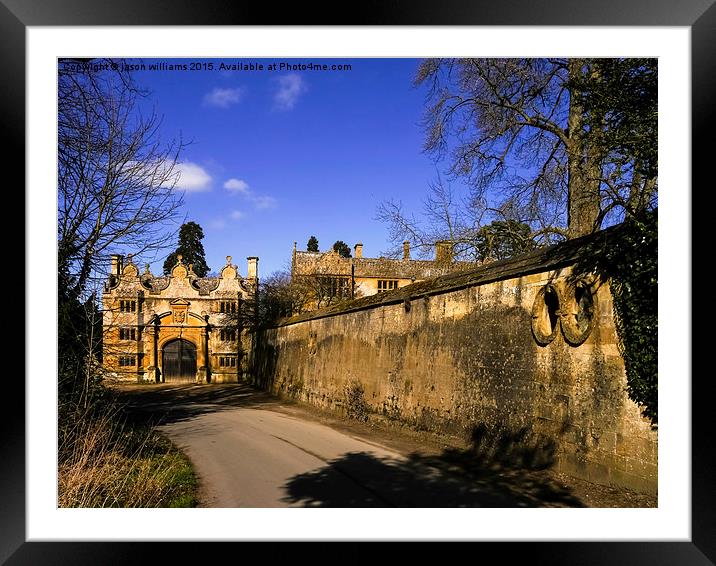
(163, 404)
(484, 475)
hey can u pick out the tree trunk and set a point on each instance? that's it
(584, 168)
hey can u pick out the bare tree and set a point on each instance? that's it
(115, 177)
(325, 290)
(542, 142)
(115, 191)
(280, 297)
(444, 217)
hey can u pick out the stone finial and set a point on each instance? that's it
(179, 271)
(228, 260)
(129, 258)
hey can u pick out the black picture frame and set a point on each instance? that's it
(698, 15)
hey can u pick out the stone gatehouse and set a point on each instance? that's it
(176, 328)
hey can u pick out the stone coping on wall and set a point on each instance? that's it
(549, 258)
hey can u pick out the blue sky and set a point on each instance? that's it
(280, 155)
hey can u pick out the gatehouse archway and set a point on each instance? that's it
(179, 361)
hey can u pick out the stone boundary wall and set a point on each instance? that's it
(495, 355)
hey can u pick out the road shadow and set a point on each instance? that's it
(490, 473)
(497, 470)
(155, 405)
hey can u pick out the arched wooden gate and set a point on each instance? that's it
(179, 361)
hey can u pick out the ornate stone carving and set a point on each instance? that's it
(546, 315)
(179, 271)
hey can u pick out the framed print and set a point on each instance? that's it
(35, 32)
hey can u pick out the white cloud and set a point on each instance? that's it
(192, 178)
(263, 202)
(237, 186)
(290, 87)
(187, 176)
(236, 215)
(223, 97)
(218, 224)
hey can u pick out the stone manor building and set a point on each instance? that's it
(178, 328)
(332, 277)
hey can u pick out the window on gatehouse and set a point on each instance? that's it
(127, 361)
(228, 307)
(127, 334)
(227, 335)
(227, 361)
(126, 305)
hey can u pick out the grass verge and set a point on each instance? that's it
(107, 461)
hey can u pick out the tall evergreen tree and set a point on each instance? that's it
(503, 239)
(342, 248)
(312, 245)
(191, 250)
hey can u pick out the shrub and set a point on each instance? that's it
(356, 406)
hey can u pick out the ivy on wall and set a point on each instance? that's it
(634, 290)
(629, 261)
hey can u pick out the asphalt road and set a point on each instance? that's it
(248, 457)
(250, 449)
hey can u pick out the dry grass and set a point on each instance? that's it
(104, 461)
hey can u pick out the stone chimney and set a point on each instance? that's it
(406, 249)
(443, 251)
(253, 267)
(358, 251)
(117, 266)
